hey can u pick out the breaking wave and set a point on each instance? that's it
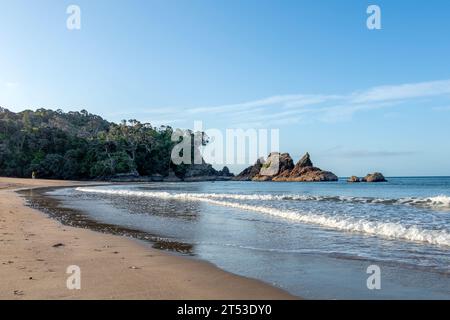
(375, 228)
(442, 201)
(437, 202)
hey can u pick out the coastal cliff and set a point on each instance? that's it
(51, 144)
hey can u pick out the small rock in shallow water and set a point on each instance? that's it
(374, 177)
(353, 179)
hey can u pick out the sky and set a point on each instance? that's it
(357, 100)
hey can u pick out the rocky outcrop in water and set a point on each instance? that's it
(280, 167)
(225, 172)
(309, 174)
(353, 179)
(304, 171)
(275, 165)
(249, 173)
(305, 161)
(374, 177)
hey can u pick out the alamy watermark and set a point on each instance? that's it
(374, 280)
(223, 147)
(74, 280)
(374, 20)
(73, 21)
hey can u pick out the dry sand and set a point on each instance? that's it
(112, 267)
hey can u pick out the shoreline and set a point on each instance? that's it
(50, 206)
(36, 251)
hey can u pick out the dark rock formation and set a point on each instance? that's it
(157, 177)
(353, 179)
(206, 172)
(280, 167)
(304, 171)
(133, 175)
(305, 161)
(225, 172)
(309, 174)
(374, 177)
(299, 169)
(199, 170)
(172, 177)
(249, 173)
(275, 165)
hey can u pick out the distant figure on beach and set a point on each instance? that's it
(33, 175)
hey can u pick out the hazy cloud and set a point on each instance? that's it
(293, 108)
(11, 85)
(372, 154)
(443, 108)
(279, 110)
(403, 92)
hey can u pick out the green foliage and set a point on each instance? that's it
(267, 165)
(79, 145)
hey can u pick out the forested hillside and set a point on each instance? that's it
(80, 145)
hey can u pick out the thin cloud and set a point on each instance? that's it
(444, 108)
(11, 85)
(270, 101)
(164, 122)
(373, 154)
(404, 91)
(292, 108)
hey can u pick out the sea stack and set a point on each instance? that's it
(249, 173)
(304, 171)
(275, 165)
(280, 167)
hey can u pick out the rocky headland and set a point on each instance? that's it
(193, 173)
(206, 172)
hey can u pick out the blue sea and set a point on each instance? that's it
(315, 240)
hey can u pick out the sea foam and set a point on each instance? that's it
(375, 228)
(436, 202)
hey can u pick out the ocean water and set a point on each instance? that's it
(315, 240)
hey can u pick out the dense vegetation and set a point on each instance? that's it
(80, 145)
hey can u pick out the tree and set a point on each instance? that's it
(80, 145)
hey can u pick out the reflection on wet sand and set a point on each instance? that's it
(37, 199)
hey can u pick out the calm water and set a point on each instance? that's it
(312, 239)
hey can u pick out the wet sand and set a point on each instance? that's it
(36, 251)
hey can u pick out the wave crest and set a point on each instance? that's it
(376, 228)
(436, 202)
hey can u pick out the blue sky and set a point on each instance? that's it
(358, 100)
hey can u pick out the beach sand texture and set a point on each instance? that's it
(36, 251)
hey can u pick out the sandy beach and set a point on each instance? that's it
(36, 251)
